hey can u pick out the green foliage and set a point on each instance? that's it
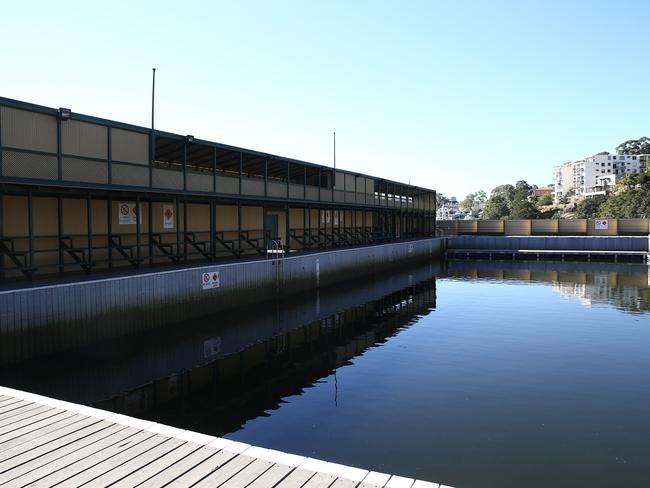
(511, 202)
(629, 204)
(545, 200)
(590, 208)
(634, 146)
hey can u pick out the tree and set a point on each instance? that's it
(522, 205)
(589, 208)
(496, 207)
(634, 146)
(545, 200)
(630, 204)
(468, 203)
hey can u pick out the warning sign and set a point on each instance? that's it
(168, 216)
(601, 224)
(127, 213)
(210, 279)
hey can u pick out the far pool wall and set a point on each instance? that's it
(590, 243)
(82, 313)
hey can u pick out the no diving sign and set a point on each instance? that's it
(210, 279)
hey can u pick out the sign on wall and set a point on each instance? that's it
(168, 216)
(210, 280)
(601, 224)
(127, 213)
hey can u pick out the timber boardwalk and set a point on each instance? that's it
(48, 442)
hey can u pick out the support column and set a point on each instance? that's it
(239, 253)
(138, 216)
(89, 228)
(30, 228)
(185, 231)
(59, 208)
(150, 229)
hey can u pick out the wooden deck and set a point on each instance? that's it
(47, 442)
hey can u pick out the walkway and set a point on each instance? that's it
(47, 442)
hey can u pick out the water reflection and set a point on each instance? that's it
(237, 363)
(624, 286)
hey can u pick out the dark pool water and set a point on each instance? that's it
(486, 375)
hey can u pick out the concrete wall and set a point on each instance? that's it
(591, 243)
(40, 320)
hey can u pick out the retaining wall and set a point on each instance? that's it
(591, 243)
(46, 319)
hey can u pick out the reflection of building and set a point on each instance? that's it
(601, 291)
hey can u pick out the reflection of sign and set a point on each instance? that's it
(410, 248)
(168, 216)
(211, 347)
(210, 279)
(602, 224)
(325, 217)
(127, 213)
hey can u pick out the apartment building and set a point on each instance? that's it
(594, 175)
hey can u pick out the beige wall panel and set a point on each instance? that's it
(296, 218)
(123, 174)
(28, 165)
(490, 226)
(467, 226)
(100, 217)
(517, 227)
(198, 217)
(28, 130)
(277, 189)
(339, 180)
(545, 226)
(73, 169)
(252, 186)
(130, 147)
(164, 178)
(14, 216)
(252, 218)
(296, 191)
(349, 182)
(578, 226)
(199, 181)
(46, 216)
(74, 217)
(226, 217)
(312, 193)
(633, 226)
(227, 184)
(84, 139)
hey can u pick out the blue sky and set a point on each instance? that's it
(455, 95)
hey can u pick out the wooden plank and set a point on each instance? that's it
(14, 406)
(297, 478)
(272, 477)
(138, 462)
(249, 474)
(26, 452)
(75, 454)
(115, 461)
(155, 467)
(320, 480)
(16, 477)
(202, 470)
(60, 421)
(79, 467)
(178, 469)
(28, 418)
(344, 483)
(225, 472)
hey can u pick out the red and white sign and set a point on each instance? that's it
(127, 213)
(168, 216)
(210, 280)
(601, 224)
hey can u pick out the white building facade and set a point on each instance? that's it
(595, 175)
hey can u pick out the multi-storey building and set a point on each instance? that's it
(594, 175)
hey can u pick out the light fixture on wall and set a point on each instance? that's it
(64, 113)
(189, 138)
